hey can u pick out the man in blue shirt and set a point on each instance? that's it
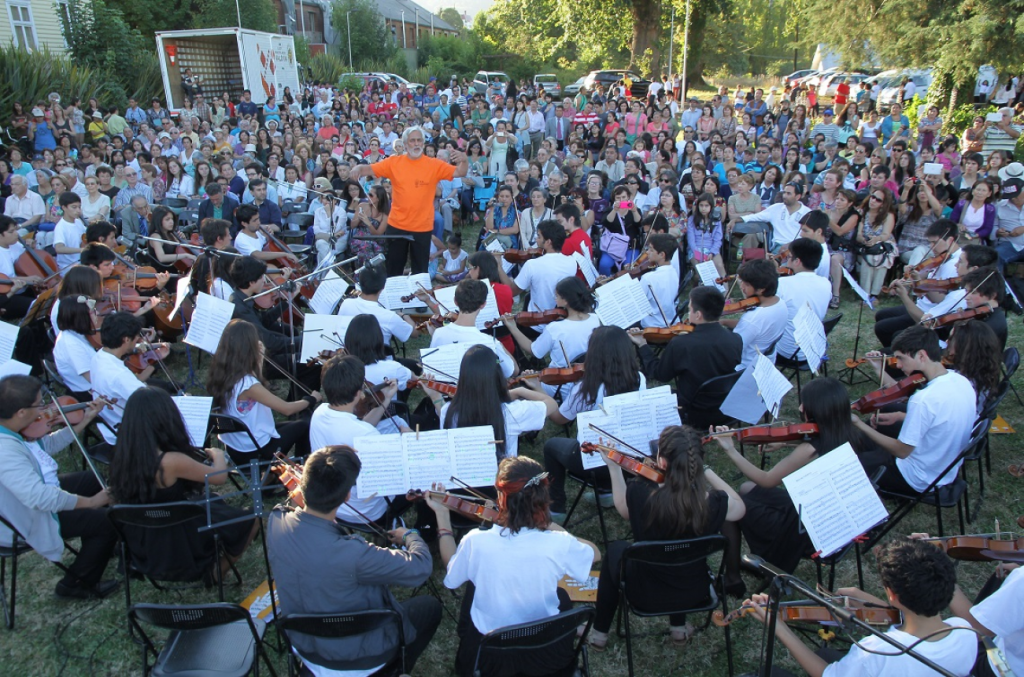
(246, 107)
(270, 213)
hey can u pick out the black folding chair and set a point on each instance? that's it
(205, 640)
(19, 546)
(1011, 360)
(538, 643)
(586, 480)
(642, 559)
(705, 407)
(337, 626)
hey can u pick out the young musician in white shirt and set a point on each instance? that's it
(67, 235)
(540, 276)
(251, 240)
(371, 283)
(523, 541)
(661, 284)
(919, 580)
(803, 287)
(997, 613)
(109, 376)
(470, 298)
(364, 339)
(763, 326)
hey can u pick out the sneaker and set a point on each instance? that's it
(98, 591)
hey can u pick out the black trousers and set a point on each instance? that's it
(891, 321)
(425, 615)
(291, 434)
(92, 526)
(561, 456)
(608, 589)
(536, 663)
(400, 250)
(16, 306)
(892, 480)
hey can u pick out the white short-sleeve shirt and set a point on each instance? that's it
(259, 418)
(1003, 613)
(946, 271)
(492, 558)
(391, 324)
(454, 333)
(938, 425)
(539, 276)
(113, 380)
(662, 284)
(572, 403)
(955, 652)
(565, 339)
(797, 291)
(73, 357)
(329, 426)
(247, 244)
(70, 235)
(760, 328)
(521, 416)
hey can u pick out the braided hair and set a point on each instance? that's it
(678, 508)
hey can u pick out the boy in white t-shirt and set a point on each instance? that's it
(998, 613)
(470, 297)
(454, 257)
(762, 327)
(67, 235)
(919, 580)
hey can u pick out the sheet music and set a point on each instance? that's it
(332, 288)
(622, 302)
(666, 406)
(427, 458)
(866, 297)
(474, 460)
(606, 421)
(586, 266)
(637, 424)
(953, 300)
(772, 386)
(181, 293)
(318, 333)
(446, 298)
(835, 499)
(8, 337)
(383, 468)
(196, 413)
(708, 274)
(208, 322)
(444, 362)
(403, 285)
(743, 402)
(12, 367)
(394, 464)
(809, 334)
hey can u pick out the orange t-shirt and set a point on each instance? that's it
(413, 187)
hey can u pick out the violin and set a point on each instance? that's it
(808, 613)
(145, 355)
(665, 334)
(556, 376)
(927, 286)
(628, 463)
(769, 434)
(742, 305)
(437, 321)
(478, 512)
(412, 297)
(928, 264)
(530, 318)
(323, 356)
(371, 398)
(290, 314)
(786, 271)
(290, 475)
(448, 389)
(900, 390)
(948, 319)
(140, 277)
(635, 271)
(725, 280)
(982, 548)
(519, 256)
(889, 361)
(49, 417)
(308, 288)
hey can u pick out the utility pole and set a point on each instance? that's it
(405, 40)
(671, 41)
(348, 24)
(686, 49)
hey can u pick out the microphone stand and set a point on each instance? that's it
(783, 583)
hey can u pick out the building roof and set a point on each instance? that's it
(392, 9)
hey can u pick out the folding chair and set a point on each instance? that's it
(782, 362)
(539, 643)
(585, 480)
(337, 626)
(647, 557)
(19, 546)
(1011, 360)
(705, 408)
(175, 204)
(750, 228)
(206, 640)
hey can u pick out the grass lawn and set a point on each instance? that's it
(55, 637)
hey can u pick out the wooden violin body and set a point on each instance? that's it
(877, 399)
(290, 475)
(807, 613)
(49, 418)
(448, 389)
(769, 434)
(949, 319)
(742, 305)
(556, 376)
(982, 548)
(659, 335)
(635, 271)
(627, 463)
(532, 318)
(473, 510)
(519, 256)
(139, 361)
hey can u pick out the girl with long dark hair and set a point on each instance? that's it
(692, 501)
(771, 524)
(612, 369)
(483, 398)
(77, 323)
(365, 340)
(235, 380)
(154, 462)
(483, 266)
(524, 539)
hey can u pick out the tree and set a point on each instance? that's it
(451, 16)
(954, 37)
(647, 30)
(257, 15)
(99, 37)
(371, 40)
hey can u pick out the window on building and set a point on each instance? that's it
(22, 26)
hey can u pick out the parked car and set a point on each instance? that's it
(550, 83)
(607, 78)
(815, 79)
(790, 79)
(827, 88)
(483, 79)
(574, 88)
(385, 78)
(890, 93)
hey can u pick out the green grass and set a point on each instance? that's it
(56, 637)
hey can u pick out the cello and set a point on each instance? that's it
(308, 288)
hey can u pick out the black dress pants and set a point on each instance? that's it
(92, 526)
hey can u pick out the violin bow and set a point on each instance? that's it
(564, 354)
(639, 454)
(74, 435)
(658, 303)
(470, 489)
(288, 375)
(429, 294)
(163, 367)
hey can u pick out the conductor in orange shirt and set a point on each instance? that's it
(414, 178)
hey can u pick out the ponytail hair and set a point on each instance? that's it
(678, 508)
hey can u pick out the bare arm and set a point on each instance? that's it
(261, 394)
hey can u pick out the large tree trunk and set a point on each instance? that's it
(646, 35)
(695, 58)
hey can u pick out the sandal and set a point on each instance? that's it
(598, 641)
(834, 303)
(680, 637)
(1016, 470)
